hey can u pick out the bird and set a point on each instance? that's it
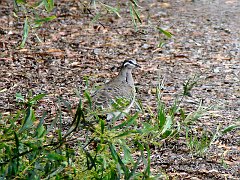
(117, 97)
(114, 99)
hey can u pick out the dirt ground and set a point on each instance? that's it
(205, 42)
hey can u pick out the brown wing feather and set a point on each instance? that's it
(103, 98)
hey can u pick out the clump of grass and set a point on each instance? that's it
(35, 14)
(30, 149)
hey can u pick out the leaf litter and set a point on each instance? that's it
(206, 41)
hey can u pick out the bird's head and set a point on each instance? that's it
(130, 64)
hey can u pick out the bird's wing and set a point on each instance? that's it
(110, 99)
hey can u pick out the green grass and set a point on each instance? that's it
(31, 150)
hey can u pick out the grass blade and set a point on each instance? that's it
(127, 123)
(166, 33)
(25, 33)
(28, 121)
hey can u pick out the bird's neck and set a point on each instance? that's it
(126, 76)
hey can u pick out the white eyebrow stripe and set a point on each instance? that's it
(129, 63)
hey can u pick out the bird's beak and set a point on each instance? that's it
(137, 65)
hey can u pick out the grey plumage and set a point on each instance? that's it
(117, 96)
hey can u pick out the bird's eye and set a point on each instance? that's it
(131, 62)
